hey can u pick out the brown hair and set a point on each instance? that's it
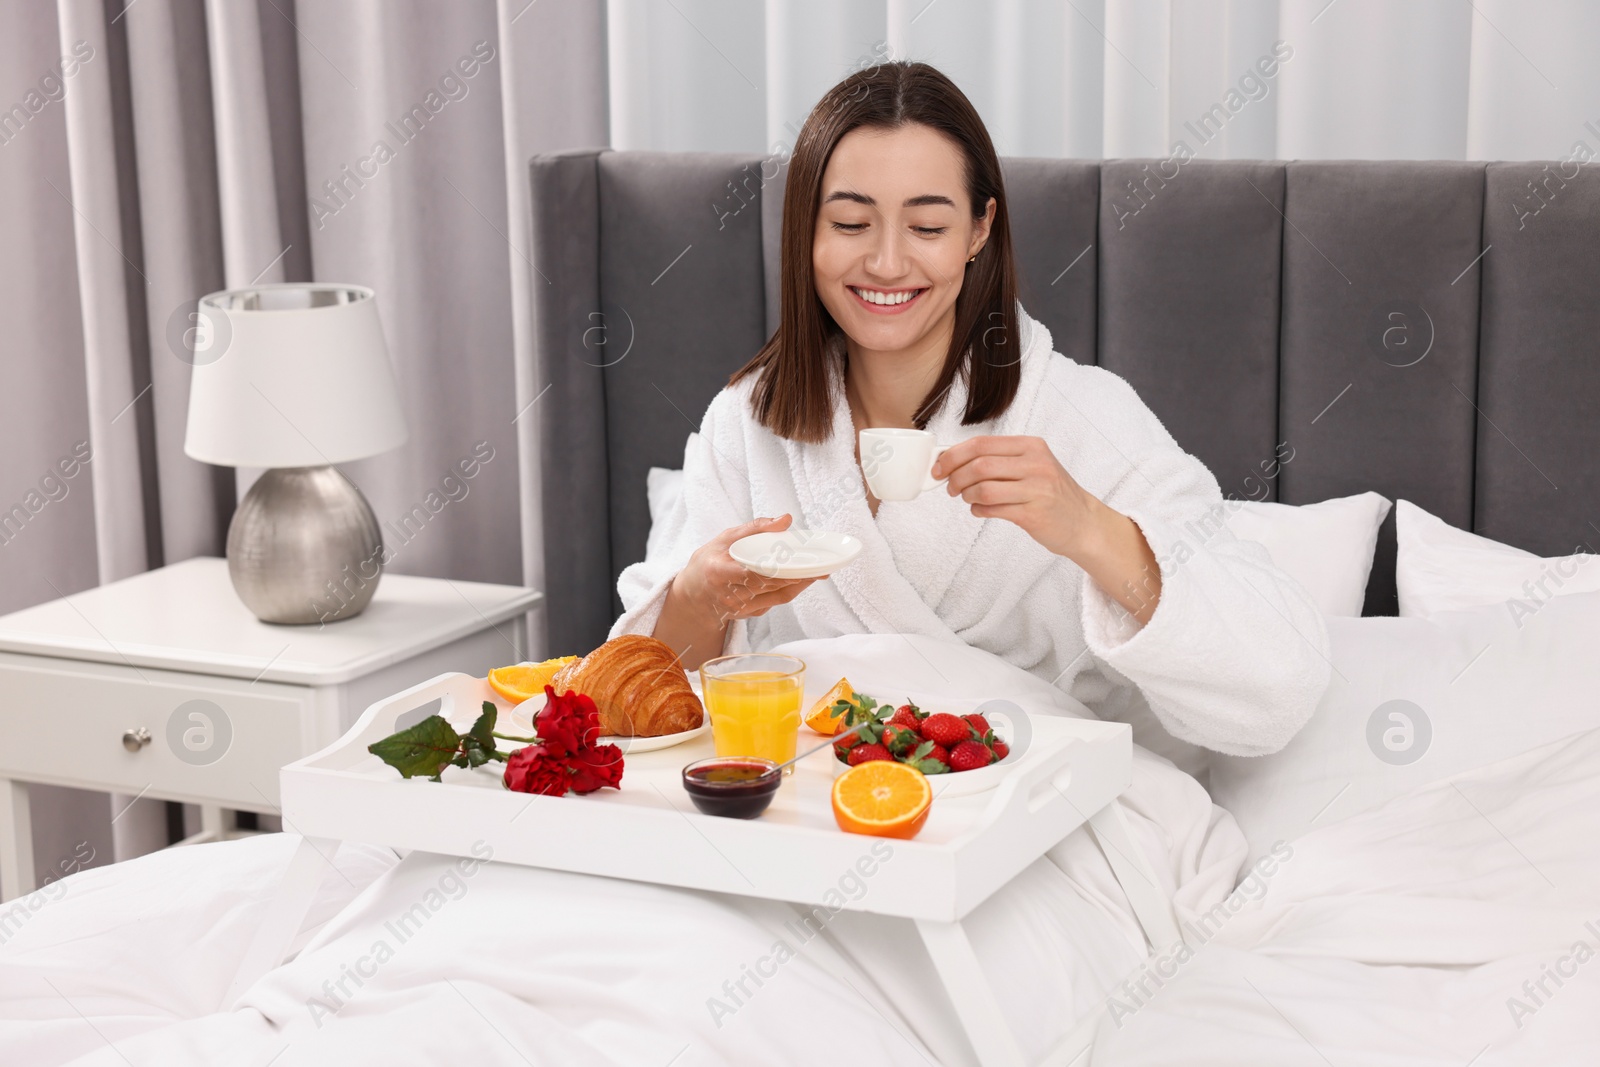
(791, 395)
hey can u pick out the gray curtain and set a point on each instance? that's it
(154, 151)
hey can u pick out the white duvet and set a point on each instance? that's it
(1458, 924)
(1396, 936)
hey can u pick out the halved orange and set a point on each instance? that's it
(520, 681)
(882, 798)
(819, 719)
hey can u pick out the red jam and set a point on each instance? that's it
(731, 788)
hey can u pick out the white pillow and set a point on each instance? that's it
(663, 487)
(1326, 547)
(1478, 685)
(1440, 568)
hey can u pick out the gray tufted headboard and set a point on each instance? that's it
(1427, 330)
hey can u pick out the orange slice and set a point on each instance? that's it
(520, 681)
(882, 798)
(819, 719)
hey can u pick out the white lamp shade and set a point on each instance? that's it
(292, 375)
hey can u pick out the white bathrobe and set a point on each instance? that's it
(1234, 658)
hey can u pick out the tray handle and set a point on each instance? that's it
(1023, 794)
(452, 690)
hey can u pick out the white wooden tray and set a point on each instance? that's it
(650, 831)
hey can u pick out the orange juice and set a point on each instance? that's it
(754, 702)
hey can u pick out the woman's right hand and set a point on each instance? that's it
(713, 589)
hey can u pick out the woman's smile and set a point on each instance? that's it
(887, 301)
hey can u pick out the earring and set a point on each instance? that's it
(972, 257)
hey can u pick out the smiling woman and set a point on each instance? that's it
(1057, 546)
(1062, 555)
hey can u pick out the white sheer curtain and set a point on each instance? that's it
(154, 151)
(1364, 79)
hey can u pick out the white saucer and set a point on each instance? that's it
(795, 553)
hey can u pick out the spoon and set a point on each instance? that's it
(812, 751)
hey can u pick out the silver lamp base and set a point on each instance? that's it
(304, 547)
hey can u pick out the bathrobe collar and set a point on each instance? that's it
(914, 549)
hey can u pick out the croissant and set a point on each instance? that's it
(637, 684)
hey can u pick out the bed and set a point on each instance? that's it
(1422, 330)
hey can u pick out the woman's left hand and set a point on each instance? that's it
(1020, 480)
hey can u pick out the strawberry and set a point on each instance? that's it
(900, 739)
(999, 747)
(867, 753)
(928, 757)
(946, 730)
(969, 756)
(978, 723)
(906, 715)
(842, 747)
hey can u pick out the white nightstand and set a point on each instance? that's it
(164, 685)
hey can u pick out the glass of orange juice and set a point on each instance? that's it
(754, 701)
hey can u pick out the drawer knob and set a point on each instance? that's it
(134, 740)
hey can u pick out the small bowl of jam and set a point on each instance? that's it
(734, 787)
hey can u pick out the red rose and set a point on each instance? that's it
(536, 769)
(568, 722)
(566, 756)
(596, 767)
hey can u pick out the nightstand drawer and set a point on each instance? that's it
(150, 732)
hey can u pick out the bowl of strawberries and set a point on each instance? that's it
(961, 753)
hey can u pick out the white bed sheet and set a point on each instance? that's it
(1397, 936)
(1458, 924)
(516, 966)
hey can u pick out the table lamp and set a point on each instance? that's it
(295, 378)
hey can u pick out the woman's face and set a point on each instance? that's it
(893, 235)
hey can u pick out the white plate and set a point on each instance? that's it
(650, 744)
(519, 720)
(795, 553)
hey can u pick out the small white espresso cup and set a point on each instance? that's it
(898, 463)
